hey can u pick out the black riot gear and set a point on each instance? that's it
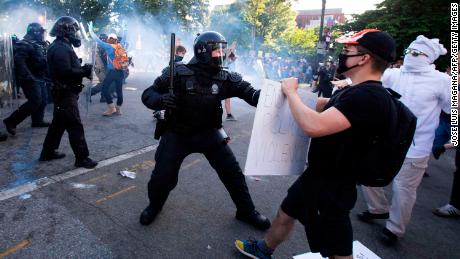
(36, 32)
(205, 44)
(67, 27)
(67, 73)
(31, 73)
(193, 125)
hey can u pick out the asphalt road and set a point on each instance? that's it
(94, 213)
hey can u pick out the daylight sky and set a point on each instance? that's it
(348, 6)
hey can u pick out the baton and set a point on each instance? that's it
(171, 63)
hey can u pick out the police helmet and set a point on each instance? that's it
(35, 31)
(205, 44)
(67, 27)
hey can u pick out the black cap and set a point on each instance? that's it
(377, 42)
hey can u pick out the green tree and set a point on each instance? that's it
(298, 42)
(268, 19)
(405, 20)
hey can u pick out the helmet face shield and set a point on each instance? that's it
(218, 53)
(210, 48)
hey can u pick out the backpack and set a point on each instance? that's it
(121, 60)
(381, 161)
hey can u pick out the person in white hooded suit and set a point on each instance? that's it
(425, 91)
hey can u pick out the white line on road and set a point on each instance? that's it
(42, 182)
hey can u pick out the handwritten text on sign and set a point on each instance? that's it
(278, 145)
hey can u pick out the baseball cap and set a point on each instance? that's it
(113, 36)
(377, 42)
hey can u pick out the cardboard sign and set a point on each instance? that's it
(278, 145)
(359, 252)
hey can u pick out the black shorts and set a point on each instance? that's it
(322, 204)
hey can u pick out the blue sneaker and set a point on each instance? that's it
(250, 249)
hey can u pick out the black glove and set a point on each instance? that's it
(169, 101)
(88, 71)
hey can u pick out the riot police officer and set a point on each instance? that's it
(67, 73)
(194, 117)
(31, 73)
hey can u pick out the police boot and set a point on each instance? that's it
(148, 216)
(9, 127)
(86, 163)
(118, 110)
(110, 110)
(44, 156)
(3, 136)
(255, 219)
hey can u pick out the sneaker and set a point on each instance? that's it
(51, 156)
(148, 216)
(367, 216)
(250, 249)
(447, 211)
(86, 163)
(255, 219)
(388, 238)
(3, 136)
(10, 128)
(230, 117)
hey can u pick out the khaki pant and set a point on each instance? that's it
(404, 195)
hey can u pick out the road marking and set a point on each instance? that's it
(96, 178)
(15, 248)
(42, 182)
(191, 163)
(108, 197)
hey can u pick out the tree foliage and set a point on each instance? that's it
(298, 42)
(406, 19)
(267, 25)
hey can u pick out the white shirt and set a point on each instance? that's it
(425, 94)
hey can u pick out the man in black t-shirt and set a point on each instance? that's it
(322, 197)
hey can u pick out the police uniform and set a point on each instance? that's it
(193, 128)
(31, 71)
(67, 74)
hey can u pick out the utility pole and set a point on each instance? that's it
(320, 38)
(321, 28)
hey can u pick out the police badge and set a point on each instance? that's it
(214, 89)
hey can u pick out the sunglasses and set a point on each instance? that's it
(414, 52)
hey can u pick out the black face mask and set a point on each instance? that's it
(342, 67)
(74, 40)
(178, 58)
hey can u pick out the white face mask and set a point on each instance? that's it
(416, 64)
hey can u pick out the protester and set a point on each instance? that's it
(193, 120)
(425, 91)
(100, 67)
(180, 54)
(231, 67)
(442, 135)
(322, 197)
(452, 209)
(67, 74)
(117, 62)
(31, 72)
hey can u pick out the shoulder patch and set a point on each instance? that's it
(235, 77)
(183, 70)
(22, 45)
